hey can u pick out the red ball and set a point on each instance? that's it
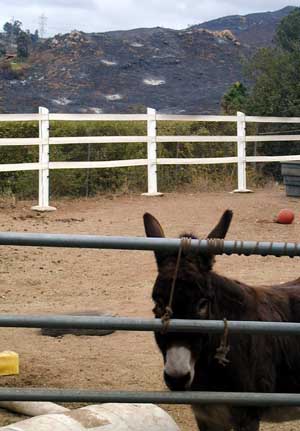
(285, 216)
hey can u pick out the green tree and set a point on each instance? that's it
(235, 98)
(7, 28)
(275, 72)
(23, 42)
(34, 37)
(276, 77)
(13, 28)
(288, 32)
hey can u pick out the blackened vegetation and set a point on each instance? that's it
(257, 363)
(193, 67)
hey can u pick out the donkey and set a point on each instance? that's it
(254, 363)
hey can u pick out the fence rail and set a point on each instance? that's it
(206, 398)
(44, 165)
(218, 246)
(129, 324)
(156, 325)
(187, 397)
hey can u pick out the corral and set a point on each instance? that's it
(42, 280)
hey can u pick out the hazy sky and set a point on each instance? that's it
(103, 15)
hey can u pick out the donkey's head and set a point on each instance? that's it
(191, 300)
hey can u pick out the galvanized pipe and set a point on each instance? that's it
(205, 398)
(158, 244)
(137, 324)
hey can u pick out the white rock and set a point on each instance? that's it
(113, 97)
(62, 101)
(95, 110)
(136, 45)
(154, 81)
(109, 63)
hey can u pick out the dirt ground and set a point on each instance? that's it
(55, 280)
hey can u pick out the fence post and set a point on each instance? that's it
(152, 154)
(241, 153)
(44, 162)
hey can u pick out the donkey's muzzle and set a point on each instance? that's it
(178, 383)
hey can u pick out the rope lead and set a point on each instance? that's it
(224, 348)
(185, 245)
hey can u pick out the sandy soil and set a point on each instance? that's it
(40, 280)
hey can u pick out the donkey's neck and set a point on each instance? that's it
(231, 299)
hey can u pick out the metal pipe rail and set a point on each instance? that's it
(188, 397)
(214, 246)
(138, 324)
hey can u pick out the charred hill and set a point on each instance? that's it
(174, 71)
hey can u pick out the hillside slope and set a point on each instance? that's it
(174, 71)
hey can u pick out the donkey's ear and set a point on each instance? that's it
(152, 226)
(153, 229)
(220, 230)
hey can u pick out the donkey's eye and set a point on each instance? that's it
(157, 310)
(202, 302)
(203, 308)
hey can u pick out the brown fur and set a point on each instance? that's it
(258, 363)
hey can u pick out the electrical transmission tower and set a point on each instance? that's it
(42, 25)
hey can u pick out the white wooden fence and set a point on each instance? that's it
(44, 141)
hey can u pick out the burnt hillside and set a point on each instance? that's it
(174, 71)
